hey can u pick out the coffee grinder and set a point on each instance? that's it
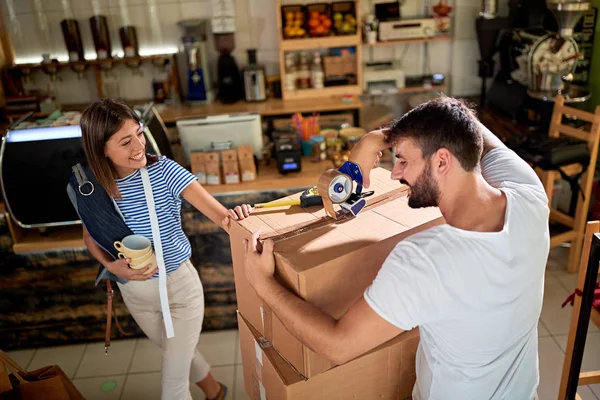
(229, 82)
(194, 70)
(538, 57)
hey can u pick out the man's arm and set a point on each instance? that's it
(358, 331)
(490, 141)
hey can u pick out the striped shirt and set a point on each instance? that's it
(168, 180)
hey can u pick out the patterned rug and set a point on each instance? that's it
(49, 298)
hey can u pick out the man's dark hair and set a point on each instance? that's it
(442, 123)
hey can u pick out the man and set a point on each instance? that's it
(474, 285)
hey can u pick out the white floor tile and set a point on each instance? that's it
(91, 388)
(142, 386)
(223, 375)
(218, 347)
(22, 357)
(238, 351)
(551, 360)
(240, 389)
(557, 260)
(591, 354)
(67, 357)
(96, 364)
(542, 331)
(147, 357)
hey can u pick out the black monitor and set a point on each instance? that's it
(35, 168)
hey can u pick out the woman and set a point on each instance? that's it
(114, 145)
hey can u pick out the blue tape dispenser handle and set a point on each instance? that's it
(353, 171)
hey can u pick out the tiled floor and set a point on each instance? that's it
(132, 367)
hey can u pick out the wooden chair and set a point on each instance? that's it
(576, 223)
(586, 308)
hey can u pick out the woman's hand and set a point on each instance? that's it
(121, 269)
(237, 214)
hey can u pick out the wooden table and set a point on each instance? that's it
(271, 107)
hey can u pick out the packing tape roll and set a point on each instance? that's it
(335, 185)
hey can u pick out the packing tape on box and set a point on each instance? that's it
(259, 392)
(266, 316)
(324, 222)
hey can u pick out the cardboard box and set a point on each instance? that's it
(213, 168)
(329, 263)
(229, 155)
(247, 166)
(387, 372)
(231, 172)
(198, 167)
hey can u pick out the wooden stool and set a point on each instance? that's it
(576, 223)
(586, 307)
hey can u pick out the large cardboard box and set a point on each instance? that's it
(327, 263)
(386, 373)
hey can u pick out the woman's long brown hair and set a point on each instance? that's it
(99, 121)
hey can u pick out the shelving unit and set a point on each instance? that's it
(442, 38)
(286, 45)
(101, 65)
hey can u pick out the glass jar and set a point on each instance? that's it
(319, 152)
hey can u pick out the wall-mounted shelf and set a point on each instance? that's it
(320, 42)
(70, 64)
(326, 42)
(444, 38)
(324, 92)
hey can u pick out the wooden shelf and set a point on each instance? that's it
(320, 42)
(444, 38)
(270, 107)
(324, 92)
(414, 89)
(268, 177)
(33, 240)
(95, 62)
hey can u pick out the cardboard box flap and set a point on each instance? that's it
(286, 372)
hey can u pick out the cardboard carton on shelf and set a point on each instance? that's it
(213, 168)
(385, 373)
(247, 166)
(329, 263)
(197, 162)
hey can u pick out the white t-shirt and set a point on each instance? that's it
(476, 296)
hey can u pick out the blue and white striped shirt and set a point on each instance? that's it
(168, 180)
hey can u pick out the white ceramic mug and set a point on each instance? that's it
(134, 246)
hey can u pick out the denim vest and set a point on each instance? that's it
(98, 214)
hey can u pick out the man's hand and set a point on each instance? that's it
(237, 214)
(367, 153)
(260, 267)
(121, 269)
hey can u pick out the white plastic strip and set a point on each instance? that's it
(263, 392)
(258, 351)
(162, 271)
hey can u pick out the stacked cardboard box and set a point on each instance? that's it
(329, 264)
(231, 172)
(247, 166)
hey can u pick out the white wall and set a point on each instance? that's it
(34, 26)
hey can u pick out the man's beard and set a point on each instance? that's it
(424, 192)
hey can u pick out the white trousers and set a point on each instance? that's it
(182, 363)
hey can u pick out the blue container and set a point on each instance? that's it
(307, 147)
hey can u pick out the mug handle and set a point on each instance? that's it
(118, 245)
(122, 256)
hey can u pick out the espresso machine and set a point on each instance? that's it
(193, 61)
(538, 57)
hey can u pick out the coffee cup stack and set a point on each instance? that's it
(138, 248)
